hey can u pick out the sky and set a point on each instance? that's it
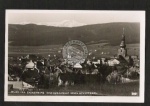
(86, 17)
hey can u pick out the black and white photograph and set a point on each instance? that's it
(74, 56)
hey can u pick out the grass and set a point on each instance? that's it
(99, 89)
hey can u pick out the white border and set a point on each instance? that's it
(124, 99)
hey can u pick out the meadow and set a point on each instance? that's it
(96, 50)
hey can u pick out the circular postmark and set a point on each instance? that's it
(75, 51)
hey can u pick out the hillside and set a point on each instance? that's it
(36, 35)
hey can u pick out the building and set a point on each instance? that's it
(122, 51)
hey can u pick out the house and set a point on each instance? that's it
(113, 62)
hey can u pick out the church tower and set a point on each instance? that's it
(122, 51)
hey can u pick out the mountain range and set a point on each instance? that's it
(40, 34)
(64, 23)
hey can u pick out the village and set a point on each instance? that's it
(32, 72)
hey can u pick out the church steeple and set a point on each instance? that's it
(122, 51)
(122, 44)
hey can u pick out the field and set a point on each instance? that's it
(103, 89)
(97, 50)
(97, 89)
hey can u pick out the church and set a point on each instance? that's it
(122, 53)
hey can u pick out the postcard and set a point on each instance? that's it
(74, 56)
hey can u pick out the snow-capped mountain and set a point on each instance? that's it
(64, 23)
